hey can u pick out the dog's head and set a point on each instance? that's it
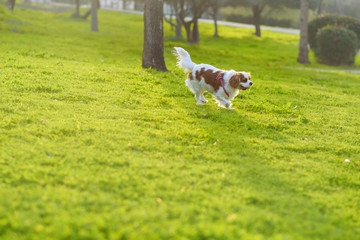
(241, 80)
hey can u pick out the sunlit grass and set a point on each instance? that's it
(95, 147)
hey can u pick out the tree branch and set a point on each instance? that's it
(169, 20)
(262, 6)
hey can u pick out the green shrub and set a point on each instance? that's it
(336, 45)
(332, 20)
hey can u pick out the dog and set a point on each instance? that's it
(222, 84)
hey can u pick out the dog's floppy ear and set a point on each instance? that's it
(235, 80)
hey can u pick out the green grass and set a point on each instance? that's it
(95, 147)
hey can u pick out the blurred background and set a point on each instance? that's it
(274, 14)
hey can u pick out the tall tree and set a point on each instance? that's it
(319, 8)
(188, 13)
(257, 9)
(94, 16)
(197, 8)
(214, 11)
(258, 6)
(11, 4)
(124, 4)
(153, 50)
(89, 12)
(303, 48)
(77, 9)
(175, 10)
(139, 5)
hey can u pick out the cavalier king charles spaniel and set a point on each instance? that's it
(224, 85)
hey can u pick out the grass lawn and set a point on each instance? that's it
(92, 146)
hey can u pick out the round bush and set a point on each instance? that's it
(332, 20)
(336, 45)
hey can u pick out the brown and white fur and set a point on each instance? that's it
(203, 77)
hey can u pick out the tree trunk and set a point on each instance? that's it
(195, 32)
(191, 27)
(88, 13)
(257, 19)
(215, 13)
(11, 4)
(153, 51)
(77, 9)
(178, 24)
(124, 4)
(189, 35)
(337, 7)
(138, 6)
(178, 28)
(303, 48)
(319, 9)
(216, 34)
(94, 16)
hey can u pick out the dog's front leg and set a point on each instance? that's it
(198, 99)
(226, 103)
(203, 98)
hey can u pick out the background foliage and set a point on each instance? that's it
(336, 45)
(332, 20)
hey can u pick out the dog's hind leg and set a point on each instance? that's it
(189, 85)
(195, 88)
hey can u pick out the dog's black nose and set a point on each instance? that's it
(250, 83)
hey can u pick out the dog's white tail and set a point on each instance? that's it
(184, 60)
